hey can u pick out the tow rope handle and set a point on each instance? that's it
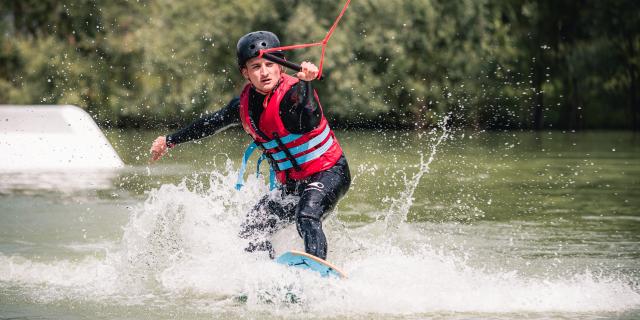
(291, 65)
(266, 52)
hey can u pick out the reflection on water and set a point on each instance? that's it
(68, 181)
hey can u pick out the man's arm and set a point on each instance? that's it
(208, 125)
(203, 127)
(300, 111)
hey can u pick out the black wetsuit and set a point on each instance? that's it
(318, 194)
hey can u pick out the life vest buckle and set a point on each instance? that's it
(286, 151)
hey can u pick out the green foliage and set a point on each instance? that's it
(491, 64)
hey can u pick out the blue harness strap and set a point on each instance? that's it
(243, 166)
(272, 173)
(312, 143)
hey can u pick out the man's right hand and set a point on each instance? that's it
(158, 148)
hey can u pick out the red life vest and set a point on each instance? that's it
(315, 155)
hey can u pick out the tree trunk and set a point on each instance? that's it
(575, 116)
(538, 101)
(634, 98)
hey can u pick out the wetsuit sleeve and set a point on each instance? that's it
(299, 110)
(209, 124)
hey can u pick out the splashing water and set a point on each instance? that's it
(180, 250)
(400, 206)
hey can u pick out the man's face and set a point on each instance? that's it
(263, 74)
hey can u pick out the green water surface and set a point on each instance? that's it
(530, 197)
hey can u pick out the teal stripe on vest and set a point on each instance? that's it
(307, 157)
(286, 139)
(305, 146)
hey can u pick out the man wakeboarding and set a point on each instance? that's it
(283, 116)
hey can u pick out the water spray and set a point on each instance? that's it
(399, 209)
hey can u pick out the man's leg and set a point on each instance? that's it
(267, 217)
(320, 195)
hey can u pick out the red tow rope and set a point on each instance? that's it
(322, 43)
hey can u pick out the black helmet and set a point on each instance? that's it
(250, 44)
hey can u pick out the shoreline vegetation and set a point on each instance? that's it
(397, 64)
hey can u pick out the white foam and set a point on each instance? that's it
(612, 218)
(60, 279)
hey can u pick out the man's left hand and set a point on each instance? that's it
(309, 71)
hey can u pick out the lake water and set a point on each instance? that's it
(437, 224)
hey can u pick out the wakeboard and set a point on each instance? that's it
(307, 261)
